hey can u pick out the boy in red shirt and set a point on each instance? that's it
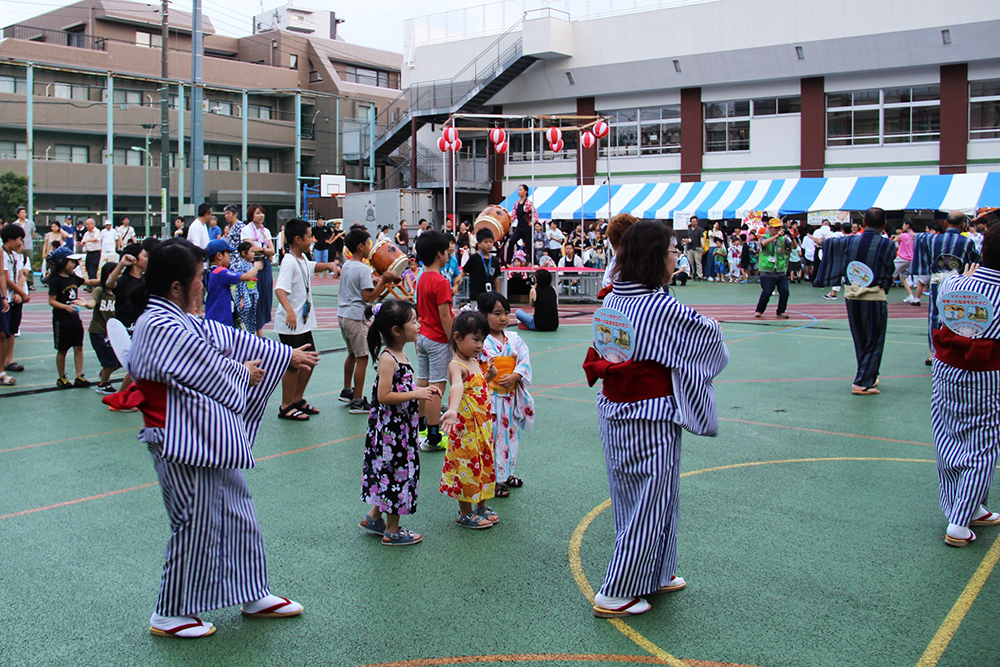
(433, 350)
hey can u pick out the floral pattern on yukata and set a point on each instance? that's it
(246, 294)
(468, 473)
(392, 465)
(513, 411)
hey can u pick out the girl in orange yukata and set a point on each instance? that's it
(469, 475)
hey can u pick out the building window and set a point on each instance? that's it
(219, 162)
(69, 91)
(129, 157)
(259, 164)
(264, 113)
(887, 116)
(148, 39)
(770, 106)
(10, 84)
(984, 109)
(221, 108)
(727, 126)
(66, 153)
(367, 76)
(128, 97)
(174, 101)
(293, 61)
(643, 131)
(13, 150)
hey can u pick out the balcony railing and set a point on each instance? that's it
(58, 37)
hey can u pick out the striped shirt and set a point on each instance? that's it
(869, 247)
(212, 412)
(929, 248)
(676, 336)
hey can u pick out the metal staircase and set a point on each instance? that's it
(466, 92)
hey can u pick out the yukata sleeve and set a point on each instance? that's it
(920, 267)
(523, 365)
(174, 356)
(831, 268)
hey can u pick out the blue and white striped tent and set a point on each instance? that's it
(716, 200)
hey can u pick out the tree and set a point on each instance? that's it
(13, 193)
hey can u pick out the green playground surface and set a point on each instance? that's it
(810, 531)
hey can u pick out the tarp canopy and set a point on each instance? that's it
(716, 200)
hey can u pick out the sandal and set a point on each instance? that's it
(302, 406)
(489, 514)
(473, 521)
(6, 380)
(293, 413)
(192, 630)
(514, 482)
(290, 607)
(401, 539)
(501, 491)
(374, 526)
(864, 391)
(14, 366)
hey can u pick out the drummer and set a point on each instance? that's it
(524, 217)
(483, 268)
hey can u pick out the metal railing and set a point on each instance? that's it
(444, 95)
(58, 37)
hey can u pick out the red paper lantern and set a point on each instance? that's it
(588, 139)
(554, 134)
(450, 134)
(456, 145)
(443, 145)
(557, 146)
(498, 136)
(501, 148)
(601, 129)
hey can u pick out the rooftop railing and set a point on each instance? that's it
(58, 37)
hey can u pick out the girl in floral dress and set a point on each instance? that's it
(468, 474)
(392, 465)
(513, 407)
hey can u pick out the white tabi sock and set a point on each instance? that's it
(959, 532)
(256, 606)
(167, 623)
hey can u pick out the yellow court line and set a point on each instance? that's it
(957, 614)
(931, 655)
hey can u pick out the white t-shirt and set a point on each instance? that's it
(13, 262)
(607, 273)
(108, 238)
(577, 261)
(92, 240)
(125, 235)
(29, 234)
(252, 233)
(295, 279)
(198, 233)
(556, 238)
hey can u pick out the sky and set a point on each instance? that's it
(376, 23)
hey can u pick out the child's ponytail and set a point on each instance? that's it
(385, 316)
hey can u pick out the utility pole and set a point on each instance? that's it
(197, 123)
(164, 121)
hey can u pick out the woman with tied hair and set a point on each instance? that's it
(617, 227)
(255, 232)
(523, 218)
(202, 388)
(657, 358)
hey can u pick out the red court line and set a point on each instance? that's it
(146, 486)
(881, 377)
(77, 437)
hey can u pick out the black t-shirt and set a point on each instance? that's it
(480, 272)
(546, 309)
(522, 217)
(337, 245)
(127, 310)
(322, 234)
(64, 289)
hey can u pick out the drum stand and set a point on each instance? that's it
(393, 291)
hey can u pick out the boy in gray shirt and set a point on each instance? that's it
(357, 290)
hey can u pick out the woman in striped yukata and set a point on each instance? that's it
(965, 402)
(657, 359)
(202, 388)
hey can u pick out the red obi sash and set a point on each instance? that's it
(605, 291)
(149, 397)
(970, 354)
(628, 381)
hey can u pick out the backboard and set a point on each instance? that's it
(331, 185)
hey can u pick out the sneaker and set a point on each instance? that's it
(81, 381)
(830, 297)
(123, 410)
(347, 395)
(64, 383)
(425, 445)
(360, 407)
(107, 389)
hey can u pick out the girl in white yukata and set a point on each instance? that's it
(657, 358)
(202, 388)
(513, 407)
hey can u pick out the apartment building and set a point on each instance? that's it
(710, 90)
(258, 90)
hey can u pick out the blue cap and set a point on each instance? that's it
(215, 246)
(61, 253)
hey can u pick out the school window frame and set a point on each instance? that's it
(149, 40)
(13, 85)
(13, 150)
(640, 131)
(71, 153)
(883, 116)
(726, 126)
(69, 91)
(128, 157)
(984, 110)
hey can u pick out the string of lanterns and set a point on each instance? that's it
(450, 141)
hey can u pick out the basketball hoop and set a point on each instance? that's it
(333, 185)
